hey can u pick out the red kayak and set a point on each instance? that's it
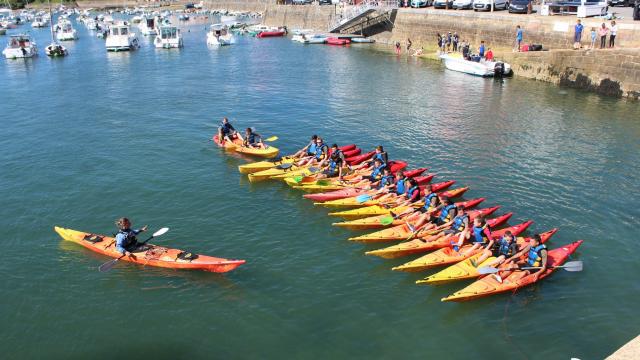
(337, 41)
(350, 153)
(357, 160)
(265, 34)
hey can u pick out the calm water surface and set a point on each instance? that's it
(98, 135)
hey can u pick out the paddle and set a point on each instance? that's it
(363, 198)
(284, 166)
(273, 138)
(387, 220)
(572, 266)
(111, 263)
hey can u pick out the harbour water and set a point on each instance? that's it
(95, 136)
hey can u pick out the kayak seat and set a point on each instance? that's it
(92, 238)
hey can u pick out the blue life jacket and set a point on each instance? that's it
(505, 247)
(401, 187)
(379, 156)
(385, 180)
(129, 237)
(226, 129)
(458, 222)
(251, 139)
(311, 150)
(427, 200)
(533, 258)
(319, 151)
(444, 213)
(377, 172)
(411, 190)
(479, 237)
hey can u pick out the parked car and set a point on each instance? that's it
(302, 2)
(463, 4)
(485, 5)
(519, 6)
(421, 3)
(442, 4)
(326, 2)
(624, 3)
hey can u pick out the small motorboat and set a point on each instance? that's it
(169, 37)
(20, 46)
(310, 39)
(55, 50)
(337, 41)
(478, 68)
(273, 33)
(121, 38)
(38, 22)
(66, 31)
(147, 26)
(362, 40)
(218, 35)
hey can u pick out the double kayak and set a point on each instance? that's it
(402, 232)
(254, 167)
(513, 280)
(448, 255)
(237, 146)
(467, 270)
(438, 241)
(149, 254)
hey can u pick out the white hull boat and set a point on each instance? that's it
(121, 38)
(66, 32)
(20, 46)
(148, 26)
(218, 35)
(169, 37)
(459, 64)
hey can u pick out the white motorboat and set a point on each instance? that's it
(169, 37)
(91, 24)
(310, 38)
(66, 31)
(39, 22)
(477, 68)
(121, 38)
(148, 26)
(362, 40)
(218, 35)
(20, 46)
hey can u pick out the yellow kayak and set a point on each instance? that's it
(276, 172)
(236, 145)
(368, 211)
(263, 165)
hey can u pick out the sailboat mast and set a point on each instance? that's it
(51, 22)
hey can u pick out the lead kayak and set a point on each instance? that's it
(466, 270)
(438, 241)
(513, 280)
(254, 167)
(150, 254)
(237, 146)
(448, 255)
(402, 232)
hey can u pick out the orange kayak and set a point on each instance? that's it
(237, 146)
(435, 242)
(149, 254)
(401, 232)
(513, 280)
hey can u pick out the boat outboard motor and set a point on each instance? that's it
(498, 70)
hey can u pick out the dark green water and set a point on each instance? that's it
(95, 136)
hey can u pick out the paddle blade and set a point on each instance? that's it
(411, 227)
(273, 138)
(323, 182)
(108, 265)
(487, 270)
(573, 266)
(161, 231)
(387, 220)
(298, 178)
(363, 198)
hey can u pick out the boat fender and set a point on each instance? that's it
(188, 256)
(92, 238)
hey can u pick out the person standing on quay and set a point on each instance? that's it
(594, 36)
(455, 42)
(614, 32)
(408, 45)
(603, 31)
(518, 36)
(577, 36)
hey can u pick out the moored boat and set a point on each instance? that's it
(20, 46)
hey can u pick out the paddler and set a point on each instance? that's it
(126, 241)
(375, 176)
(395, 190)
(226, 131)
(308, 150)
(480, 236)
(318, 156)
(536, 257)
(335, 164)
(253, 139)
(504, 250)
(379, 154)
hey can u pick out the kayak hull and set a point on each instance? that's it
(263, 165)
(236, 145)
(151, 255)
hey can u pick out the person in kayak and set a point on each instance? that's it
(376, 174)
(126, 241)
(504, 250)
(318, 156)
(379, 154)
(395, 190)
(226, 131)
(480, 235)
(536, 257)
(431, 201)
(335, 164)
(460, 223)
(308, 150)
(253, 139)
